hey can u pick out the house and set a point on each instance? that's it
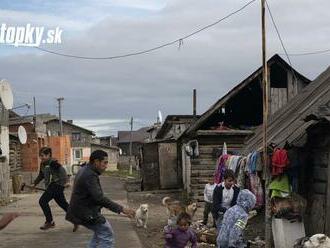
(108, 140)
(231, 120)
(36, 138)
(152, 132)
(303, 127)
(112, 151)
(80, 138)
(160, 167)
(137, 138)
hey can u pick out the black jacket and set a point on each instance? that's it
(217, 200)
(87, 198)
(52, 172)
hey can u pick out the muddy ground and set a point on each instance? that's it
(152, 237)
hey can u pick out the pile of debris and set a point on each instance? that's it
(204, 233)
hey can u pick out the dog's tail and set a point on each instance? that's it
(166, 200)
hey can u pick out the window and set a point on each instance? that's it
(76, 136)
(77, 154)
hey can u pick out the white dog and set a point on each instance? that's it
(316, 241)
(141, 215)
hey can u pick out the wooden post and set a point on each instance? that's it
(60, 114)
(327, 219)
(194, 102)
(265, 101)
(34, 114)
(130, 148)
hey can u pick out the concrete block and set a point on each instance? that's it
(286, 233)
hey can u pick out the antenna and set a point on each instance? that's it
(22, 135)
(160, 117)
(6, 94)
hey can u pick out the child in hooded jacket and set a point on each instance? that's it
(181, 235)
(234, 222)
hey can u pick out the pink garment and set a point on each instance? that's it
(221, 167)
(256, 189)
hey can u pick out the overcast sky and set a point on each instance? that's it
(103, 94)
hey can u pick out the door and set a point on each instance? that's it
(168, 165)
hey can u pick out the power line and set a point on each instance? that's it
(310, 53)
(180, 40)
(281, 40)
(278, 33)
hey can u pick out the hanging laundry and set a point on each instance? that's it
(280, 161)
(256, 189)
(280, 187)
(220, 168)
(233, 163)
(241, 173)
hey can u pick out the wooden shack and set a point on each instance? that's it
(232, 119)
(303, 126)
(160, 166)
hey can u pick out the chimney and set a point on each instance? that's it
(194, 101)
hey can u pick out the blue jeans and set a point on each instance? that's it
(103, 236)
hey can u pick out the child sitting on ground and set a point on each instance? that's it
(234, 221)
(180, 236)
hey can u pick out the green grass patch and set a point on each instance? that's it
(122, 174)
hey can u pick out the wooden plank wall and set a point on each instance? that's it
(168, 165)
(279, 97)
(203, 167)
(318, 210)
(15, 156)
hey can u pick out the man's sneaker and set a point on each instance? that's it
(48, 225)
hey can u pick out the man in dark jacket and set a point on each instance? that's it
(88, 199)
(55, 178)
(224, 196)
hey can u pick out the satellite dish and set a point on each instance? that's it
(22, 135)
(6, 94)
(160, 117)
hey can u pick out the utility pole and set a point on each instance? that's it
(130, 148)
(34, 114)
(60, 114)
(265, 99)
(194, 103)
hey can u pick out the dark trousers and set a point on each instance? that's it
(56, 192)
(207, 211)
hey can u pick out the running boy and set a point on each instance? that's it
(55, 178)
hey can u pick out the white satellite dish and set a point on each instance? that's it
(22, 135)
(160, 117)
(6, 94)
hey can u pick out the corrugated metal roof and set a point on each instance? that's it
(288, 123)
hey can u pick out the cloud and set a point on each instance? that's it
(212, 61)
